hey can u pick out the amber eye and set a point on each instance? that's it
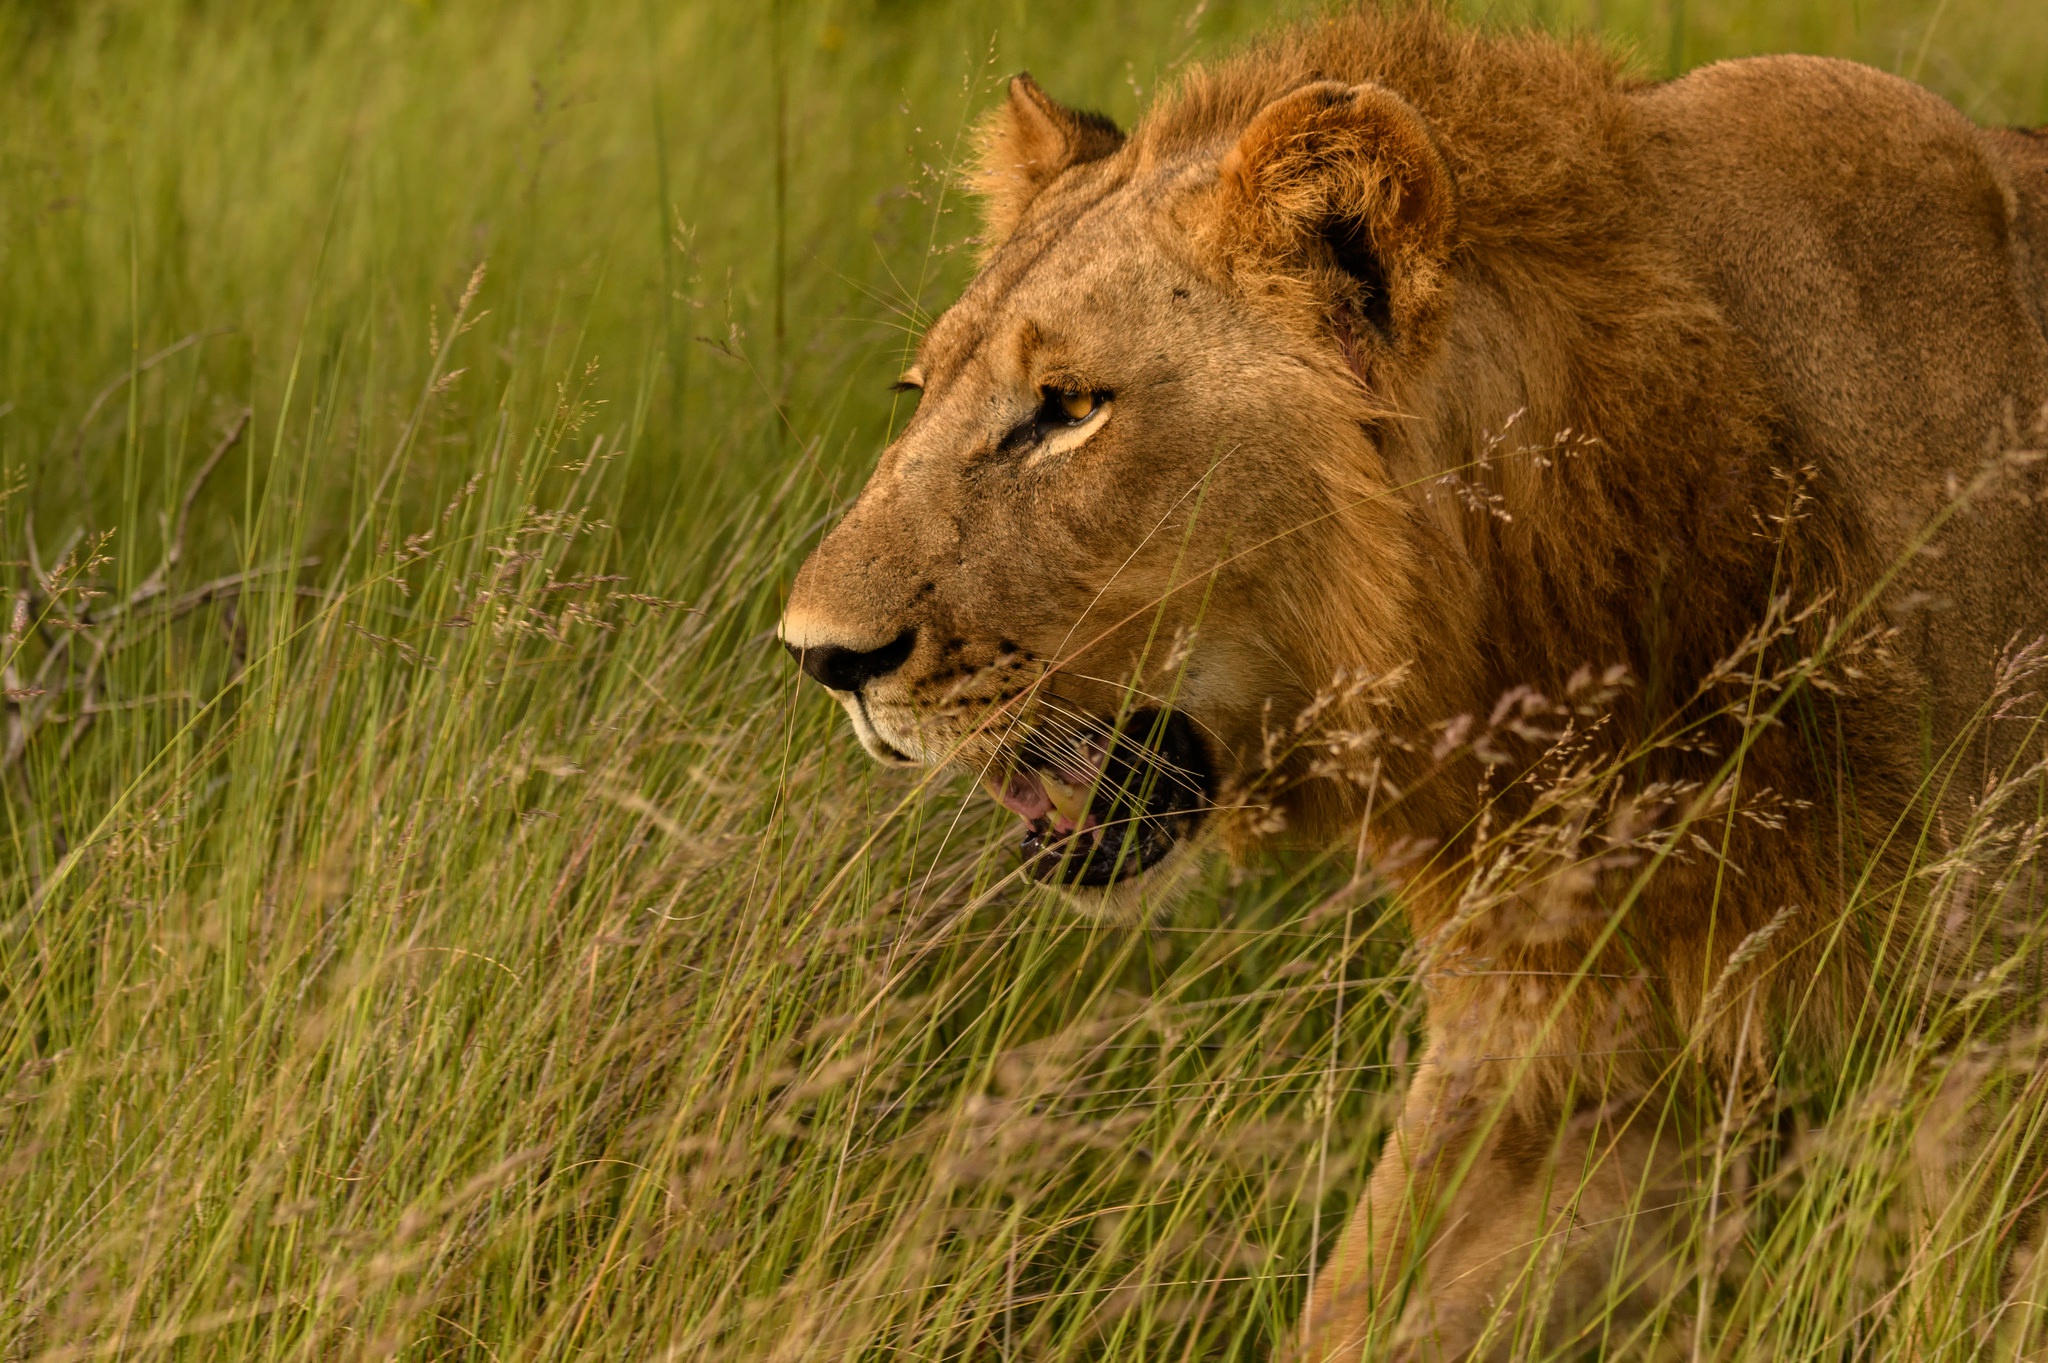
(1062, 412)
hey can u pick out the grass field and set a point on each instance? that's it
(435, 923)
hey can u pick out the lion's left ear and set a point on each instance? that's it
(1342, 186)
(1025, 144)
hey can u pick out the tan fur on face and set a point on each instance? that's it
(1346, 290)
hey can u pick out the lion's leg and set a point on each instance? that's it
(1978, 1180)
(1356, 1296)
(1483, 1225)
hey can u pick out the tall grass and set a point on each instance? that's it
(435, 923)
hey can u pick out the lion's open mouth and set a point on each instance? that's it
(1103, 805)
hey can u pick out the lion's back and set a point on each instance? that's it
(1887, 260)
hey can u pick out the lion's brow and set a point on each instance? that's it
(1014, 262)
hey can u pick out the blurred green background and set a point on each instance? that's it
(741, 207)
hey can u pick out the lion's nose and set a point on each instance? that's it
(849, 669)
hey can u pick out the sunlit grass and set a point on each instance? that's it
(435, 923)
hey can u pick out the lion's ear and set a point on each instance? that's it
(1026, 143)
(1343, 185)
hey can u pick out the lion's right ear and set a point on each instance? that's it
(1342, 187)
(1025, 144)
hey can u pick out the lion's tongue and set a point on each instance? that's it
(1036, 797)
(1022, 793)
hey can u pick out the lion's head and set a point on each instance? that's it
(1146, 510)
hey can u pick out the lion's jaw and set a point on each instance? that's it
(1118, 545)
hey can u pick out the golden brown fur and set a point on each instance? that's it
(1437, 365)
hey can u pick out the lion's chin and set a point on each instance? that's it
(1142, 897)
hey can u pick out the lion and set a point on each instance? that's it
(1389, 377)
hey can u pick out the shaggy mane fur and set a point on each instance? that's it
(1575, 308)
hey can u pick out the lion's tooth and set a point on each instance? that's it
(1071, 801)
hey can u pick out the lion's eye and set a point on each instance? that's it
(1065, 418)
(1065, 408)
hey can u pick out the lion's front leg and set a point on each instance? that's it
(1487, 1222)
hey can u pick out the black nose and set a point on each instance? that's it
(849, 669)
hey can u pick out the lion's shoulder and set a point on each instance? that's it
(1881, 256)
